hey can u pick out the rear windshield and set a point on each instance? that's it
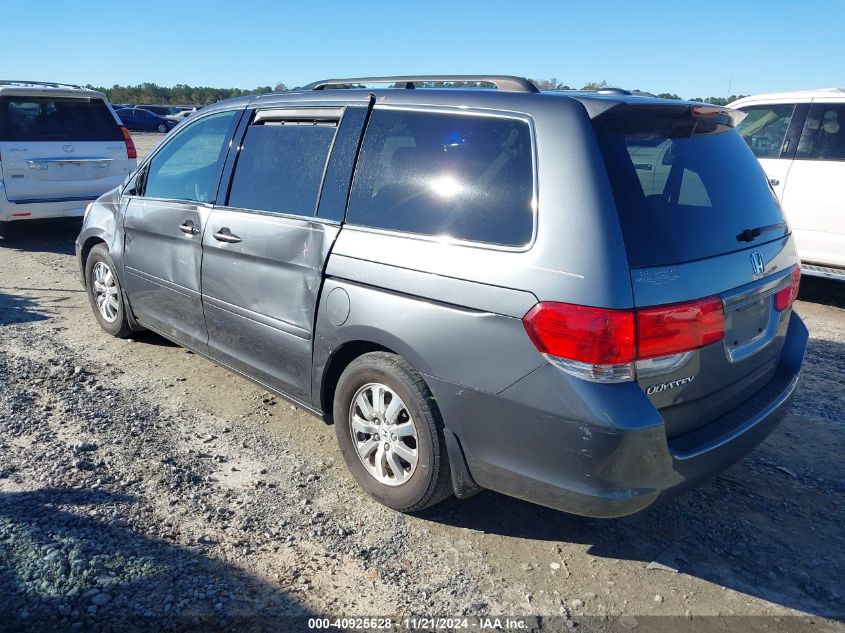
(686, 187)
(26, 119)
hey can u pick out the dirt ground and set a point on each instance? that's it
(138, 480)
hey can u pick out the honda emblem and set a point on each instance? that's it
(757, 263)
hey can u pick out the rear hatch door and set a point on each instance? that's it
(59, 148)
(700, 221)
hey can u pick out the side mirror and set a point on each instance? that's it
(136, 180)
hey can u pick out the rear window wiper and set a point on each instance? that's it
(749, 235)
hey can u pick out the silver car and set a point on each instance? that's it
(581, 299)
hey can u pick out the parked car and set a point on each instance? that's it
(165, 111)
(579, 299)
(61, 147)
(184, 114)
(799, 139)
(144, 120)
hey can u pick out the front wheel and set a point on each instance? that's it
(104, 292)
(162, 128)
(390, 432)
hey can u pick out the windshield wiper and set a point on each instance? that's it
(749, 235)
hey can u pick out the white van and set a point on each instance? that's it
(799, 139)
(61, 147)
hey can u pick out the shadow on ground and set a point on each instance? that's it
(151, 338)
(17, 309)
(62, 548)
(770, 526)
(824, 291)
(46, 236)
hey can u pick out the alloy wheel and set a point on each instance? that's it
(105, 291)
(384, 434)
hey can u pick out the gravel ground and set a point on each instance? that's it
(143, 487)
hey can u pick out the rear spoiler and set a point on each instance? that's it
(598, 109)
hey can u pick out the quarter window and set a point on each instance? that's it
(188, 166)
(463, 176)
(764, 128)
(280, 166)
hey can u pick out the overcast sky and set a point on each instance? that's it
(693, 48)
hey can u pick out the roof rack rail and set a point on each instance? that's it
(47, 84)
(502, 82)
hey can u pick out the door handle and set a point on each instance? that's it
(188, 227)
(774, 182)
(225, 235)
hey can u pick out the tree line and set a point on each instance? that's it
(180, 94)
(183, 94)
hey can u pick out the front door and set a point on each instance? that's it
(264, 251)
(814, 199)
(167, 210)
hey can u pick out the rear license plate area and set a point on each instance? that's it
(748, 322)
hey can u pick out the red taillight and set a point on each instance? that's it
(131, 152)
(786, 297)
(673, 329)
(600, 336)
(589, 335)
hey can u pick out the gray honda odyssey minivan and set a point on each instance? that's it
(582, 299)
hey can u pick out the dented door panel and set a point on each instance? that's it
(162, 257)
(260, 293)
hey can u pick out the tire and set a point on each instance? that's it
(421, 484)
(162, 127)
(99, 263)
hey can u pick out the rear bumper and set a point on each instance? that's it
(602, 450)
(42, 210)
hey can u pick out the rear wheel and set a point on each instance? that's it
(390, 432)
(104, 293)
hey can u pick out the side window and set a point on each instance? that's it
(280, 166)
(829, 139)
(188, 166)
(463, 176)
(765, 127)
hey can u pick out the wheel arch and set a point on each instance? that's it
(85, 250)
(338, 360)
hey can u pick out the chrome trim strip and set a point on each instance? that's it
(33, 161)
(766, 287)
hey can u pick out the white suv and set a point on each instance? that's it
(61, 147)
(799, 139)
